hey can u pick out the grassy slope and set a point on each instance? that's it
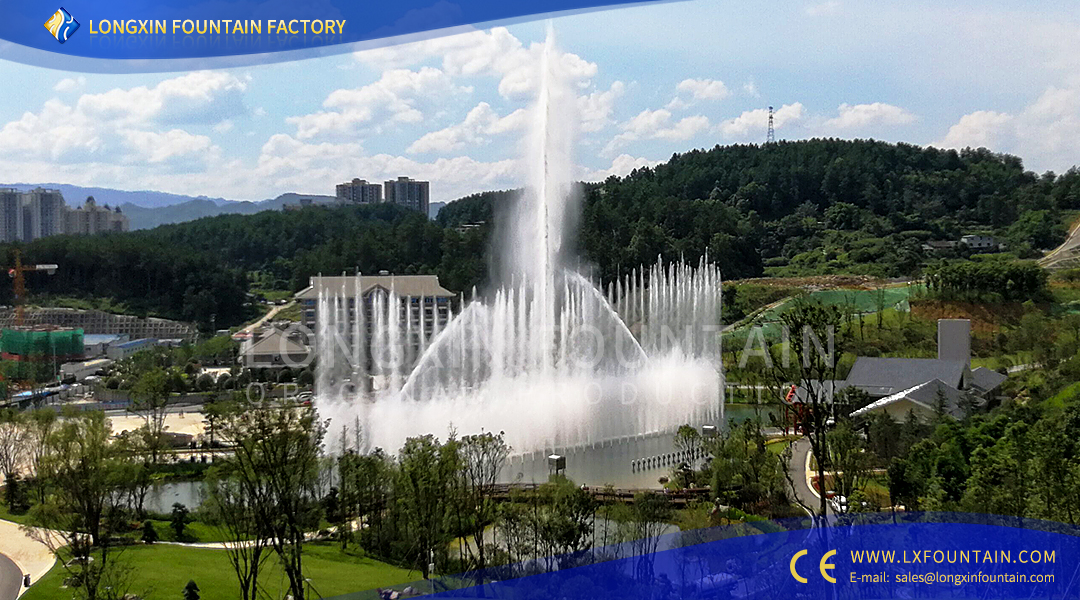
(161, 571)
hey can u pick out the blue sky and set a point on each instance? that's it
(650, 80)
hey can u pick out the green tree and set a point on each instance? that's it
(277, 464)
(81, 513)
(178, 520)
(149, 533)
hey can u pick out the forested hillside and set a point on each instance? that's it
(818, 206)
(205, 267)
(822, 206)
(815, 206)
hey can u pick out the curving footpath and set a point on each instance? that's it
(20, 554)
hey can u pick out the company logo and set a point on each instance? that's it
(823, 566)
(61, 25)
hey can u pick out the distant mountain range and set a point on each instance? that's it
(146, 209)
(142, 217)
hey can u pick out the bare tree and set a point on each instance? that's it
(233, 507)
(12, 442)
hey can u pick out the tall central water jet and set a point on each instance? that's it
(544, 355)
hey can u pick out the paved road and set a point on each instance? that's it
(10, 579)
(1066, 253)
(800, 450)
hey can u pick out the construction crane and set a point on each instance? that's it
(16, 273)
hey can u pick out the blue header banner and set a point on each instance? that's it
(919, 555)
(197, 29)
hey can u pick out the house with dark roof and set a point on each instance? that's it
(880, 377)
(900, 386)
(924, 399)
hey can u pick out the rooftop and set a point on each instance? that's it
(925, 395)
(135, 343)
(100, 338)
(276, 343)
(402, 285)
(986, 380)
(885, 376)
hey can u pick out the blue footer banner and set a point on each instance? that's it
(920, 555)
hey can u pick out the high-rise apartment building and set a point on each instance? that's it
(27, 216)
(43, 213)
(10, 215)
(359, 191)
(408, 192)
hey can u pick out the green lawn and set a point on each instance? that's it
(778, 445)
(159, 572)
(294, 312)
(195, 531)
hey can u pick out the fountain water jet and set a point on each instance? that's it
(545, 356)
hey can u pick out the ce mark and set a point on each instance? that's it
(823, 566)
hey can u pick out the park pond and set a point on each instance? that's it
(636, 462)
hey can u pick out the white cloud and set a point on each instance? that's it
(1046, 133)
(596, 109)
(750, 89)
(657, 125)
(757, 121)
(69, 84)
(621, 166)
(480, 123)
(495, 53)
(824, 8)
(287, 163)
(165, 147)
(864, 115)
(395, 98)
(259, 112)
(127, 126)
(691, 91)
(200, 97)
(224, 126)
(983, 128)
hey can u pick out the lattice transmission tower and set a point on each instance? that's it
(770, 137)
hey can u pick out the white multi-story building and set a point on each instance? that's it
(424, 302)
(980, 242)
